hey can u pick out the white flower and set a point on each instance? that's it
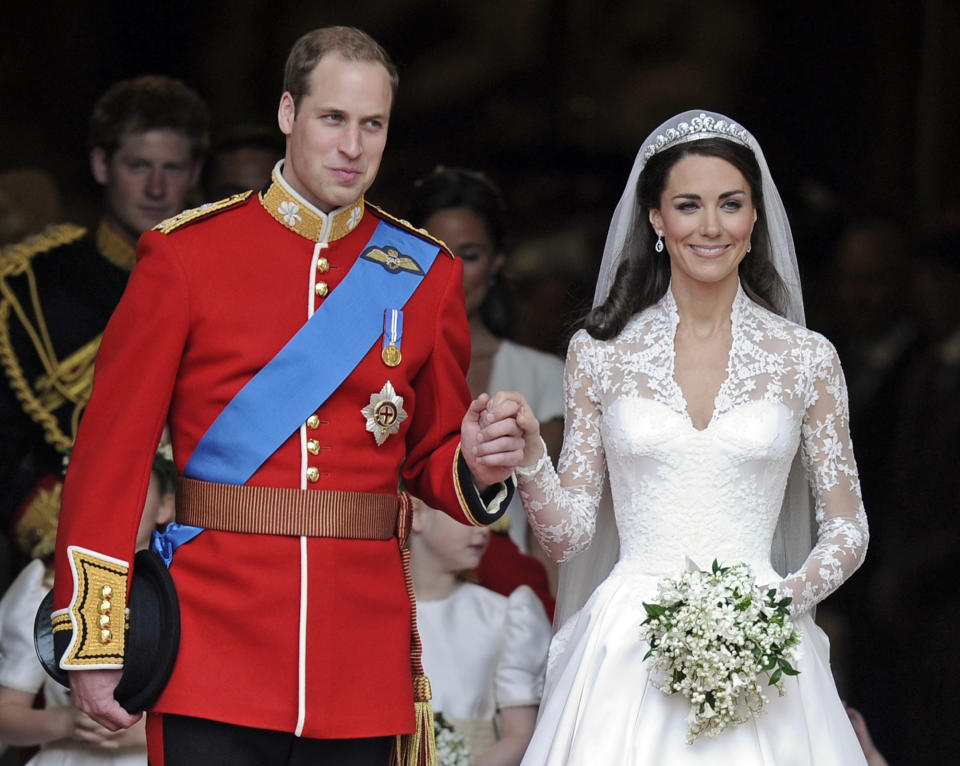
(452, 749)
(289, 210)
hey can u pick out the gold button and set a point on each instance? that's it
(313, 473)
(105, 606)
(104, 620)
(321, 289)
(313, 422)
(106, 591)
(313, 446)
(105, 636)
(323, 265)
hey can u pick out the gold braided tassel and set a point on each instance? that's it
(419, 748)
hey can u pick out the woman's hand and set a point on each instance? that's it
(527, 423)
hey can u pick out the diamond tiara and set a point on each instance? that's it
(697, 128)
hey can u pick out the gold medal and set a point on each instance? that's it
(391, 355)
(392, 337)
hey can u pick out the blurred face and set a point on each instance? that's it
(455, 547)
(335, 140)
(706, 215)
(867, 284)
(240, 169)
(467, 236)
(147, 179)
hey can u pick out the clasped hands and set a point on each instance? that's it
(499, 433)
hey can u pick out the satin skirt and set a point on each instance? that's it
(600, 707)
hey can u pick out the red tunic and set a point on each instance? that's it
(307, 635)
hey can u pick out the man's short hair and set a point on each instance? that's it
(150, 102)
(351, 43)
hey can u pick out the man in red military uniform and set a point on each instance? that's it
(306, 349)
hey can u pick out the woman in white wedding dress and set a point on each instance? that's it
(696, 392)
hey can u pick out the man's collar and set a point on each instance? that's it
(294, 212)
(115, 247)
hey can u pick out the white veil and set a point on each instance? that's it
(794, 536)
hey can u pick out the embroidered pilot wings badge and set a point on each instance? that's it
(392, 260)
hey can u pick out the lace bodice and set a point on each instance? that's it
(681, 492)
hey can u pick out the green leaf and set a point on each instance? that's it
(654, 610)
(787, 668)
(775, 676)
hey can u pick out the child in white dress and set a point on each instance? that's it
(484, 653)
(66, 736)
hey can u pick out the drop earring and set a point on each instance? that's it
(659, 246)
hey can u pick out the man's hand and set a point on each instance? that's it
(491, 440)
(93, 694)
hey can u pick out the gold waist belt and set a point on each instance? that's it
(293, 512)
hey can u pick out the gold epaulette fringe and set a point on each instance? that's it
(196, 213)
(422, 233)
(16, 258)
(62, 382)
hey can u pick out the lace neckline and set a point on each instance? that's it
(670, 317)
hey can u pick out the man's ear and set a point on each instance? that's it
(286, 113)
(100, 165)
(195, 172)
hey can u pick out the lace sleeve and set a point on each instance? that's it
(827, 454)
(562, 505)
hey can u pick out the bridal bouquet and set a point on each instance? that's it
(715, 636)
(452, 749)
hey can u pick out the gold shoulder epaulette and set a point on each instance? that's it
(16, 257)
(196, 213)
(404, 224)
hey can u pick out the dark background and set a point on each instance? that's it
(854, 104)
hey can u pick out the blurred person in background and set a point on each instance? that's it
(29, 201)
(467, 211)
(241, 158)
(489, 695)
(912, 588)
(65, 735)
(871, 317)
(147, 138)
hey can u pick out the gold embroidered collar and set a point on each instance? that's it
(115, 247)
(294, 212)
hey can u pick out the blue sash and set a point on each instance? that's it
(314, 362)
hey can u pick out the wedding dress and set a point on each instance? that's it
(679, 493)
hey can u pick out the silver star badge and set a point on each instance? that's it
(385, 413)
